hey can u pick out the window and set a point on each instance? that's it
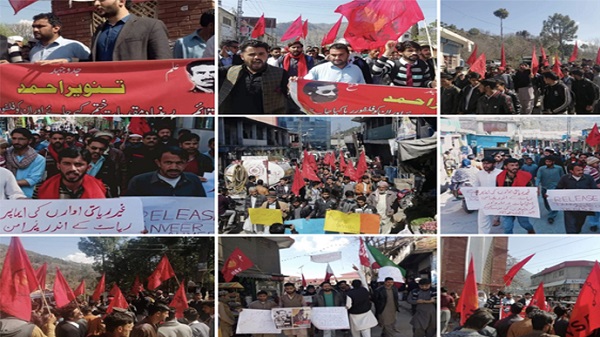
(204, 123)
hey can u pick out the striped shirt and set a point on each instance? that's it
(421, 77)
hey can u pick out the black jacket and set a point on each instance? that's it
(381, 298)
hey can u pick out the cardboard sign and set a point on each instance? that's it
(330, 318)
(179, 215)
(252, 321)
(574, 200)
(265, 216)
(509, 201)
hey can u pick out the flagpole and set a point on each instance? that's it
(43, 298)
(429, 41)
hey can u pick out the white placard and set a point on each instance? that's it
(179, 215)
(330, 318)
(209, 184)
(470, 195)
(327, 257)
(574, 200)
(253, 321)
(510, 201)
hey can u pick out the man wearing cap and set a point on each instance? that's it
(585, 92)
(557, 96)
(546, 179)
(575, 179)
(51, 46)
(513, 177)
(273, 203)
(384, 201)
(148, 327)
(424, 320)
(492, 101)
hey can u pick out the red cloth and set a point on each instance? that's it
(17, 5)
(236, 263)
(409, 75)
(138, 125)
(100, 287)
(92, 188)
(329, 38)
(535, 64)
(40, 275)
(17, 281)
(259, 27)
(53, 152)
(479, 65)
(163, 272)
(593, 139)
(508, 278)
(521, 179)
(137, 286)
(598, 57)
(302, 67)
(295, 30)
(305, 29)
(328, 274)
(361, 165)
(539, 299)
(179, 301)
(556, 67)
(118, 300)
(545, 62)
(473, 57)
(298, 182)
(63, 294)
(342, 162)
(585, 317)
(362, 254)
(304, 284)
(80, 289)
(468, 301)
(573, 57)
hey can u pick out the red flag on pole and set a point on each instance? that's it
(508, 278)
(328, 273)
(556, 67)
(593, 138)
(137, 286)
(118, 300)
(585, 317)
(305, 29)
(539, 299)
(473, 57)
(598, 57)
(17, 281)
(573, 57)
(362, 254)
(63, 294)
(138, 125)
(372, 23)
(342, 162)
(479, 65)
(308, 171)
(502, 57)
(545, 61)
(361, 165)
(163, 272)
(304, 284)
(40, 275)
(295, 30)
(468, 298)
(80, 289)
(535, 63)
(332, 34)
(17, 5)
(351, 172)
(179, 301)
(235, 264)
(100, 288)
(259, 27)
(298, 182)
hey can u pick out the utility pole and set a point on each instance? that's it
(238, 19)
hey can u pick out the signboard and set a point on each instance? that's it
(265, 216)
(515, 201)
(574, 200)
(178, 215)
(292, 318)
(330, 318)
(252, 321)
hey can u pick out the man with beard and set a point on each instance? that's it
(291, 299)
(73, 182)
(296, 63)
(253, 87)
(71, 325)
(102, 166)
(165, 138)
(273, 203)
(513, 177)
(329, 297)
(127, 37)
(409, 70)
(469, 95)
(202, 74)
(547, 178)
(169, 179)
(148, 327)
(57, 144)
(198, 163)
(322, 205)
(337, 69)
(384, 201)
(140, 156)
(22, 160)
(274, 55)
(386, 306)
(575, 180)
(51, 47)
(492, 101)
(486, 178)
(425, 55)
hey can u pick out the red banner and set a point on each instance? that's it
(331, 98)
(161, 87)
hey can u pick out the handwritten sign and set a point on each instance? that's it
(574, 200)
(330, 318)
(265, 216)
(332, 98)
(470, 194)
(515, 201)
(181, 215)
(92, 88)
(84, 216)
(337, 221)
(252, 321)
(303, 226)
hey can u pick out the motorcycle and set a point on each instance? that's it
(406, 198)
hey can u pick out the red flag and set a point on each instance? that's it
(585, 317)
(502, 57)
(259, 27)
(235, 264)
(593, 138)
(342, 162)
(80, 289)
(574, 54)
(303, 281)
(118, 300)
(535, 63)
(311, 160)
(332, 34)
(100, 288)
(308, 171)
(351, 172)
(328, 273)
(295, 30)
(508, 278)
(479, 65)
(40, 275)
(468, 297)
(138, 125)
(545, 62)
(362, 254)
(539, 299)
(17, 5)
(305, 29)
(598, 57)
(371, 23)
(63, 294)
(298, 182)
(361, 165)
(179, 301)
(163, 272)
(473, 57)
(137, 286)
(17, 281)
(556, 67)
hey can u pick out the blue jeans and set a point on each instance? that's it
(508, 222)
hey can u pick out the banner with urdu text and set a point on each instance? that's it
(332, 98)
(159, 87)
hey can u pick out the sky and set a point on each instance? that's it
(342, 124)
(523, 15)
(7, 13)
(550, 251)
(59, 247)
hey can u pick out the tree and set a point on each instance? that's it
(501, 13)
(558, 29)
(100, 248)
(524, 34)
(473, 31)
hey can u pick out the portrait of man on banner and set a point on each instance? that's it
(202, 74)
(321, 92)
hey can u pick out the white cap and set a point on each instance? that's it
(14, 39)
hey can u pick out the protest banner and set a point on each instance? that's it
(574, 200)
(303, 226)
(291, 318)
(470, 195)
(370, 223)
(333, 98)
(109, 88)
(209, 184)
(265, 216)
(180, 215)
(330, 318)
(83, 216)
(515, 201)
(355, 223)
(252, 321)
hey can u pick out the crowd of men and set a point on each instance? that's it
(122, 37)
(575, 89)
(368, 305)
(504, 314)
(257, 75)
(546, 169)
(63, 164)
(373, 193)
(148, 315)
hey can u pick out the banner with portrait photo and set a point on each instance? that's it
(331, 98)
(158, 87)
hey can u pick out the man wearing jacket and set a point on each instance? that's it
(513, 177)
(328, 297)
(386, 306)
